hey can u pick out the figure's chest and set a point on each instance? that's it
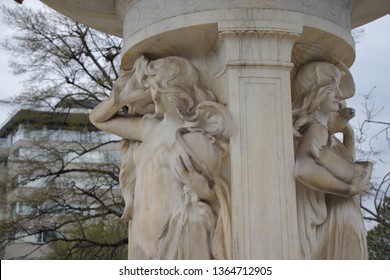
(155, 146)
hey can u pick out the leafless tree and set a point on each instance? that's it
(377, 212)
(77, 208)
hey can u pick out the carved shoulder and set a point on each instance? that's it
(314, 133)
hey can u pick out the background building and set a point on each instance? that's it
(53, 165)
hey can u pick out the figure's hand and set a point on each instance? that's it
(361, 181)
(189, 176)
(359, 189)
(339, 120)
(131, 92)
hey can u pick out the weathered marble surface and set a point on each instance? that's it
(177, 203)
(330, 220)
(247, 53)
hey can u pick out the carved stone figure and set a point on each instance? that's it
(177, 203)
(330, 221)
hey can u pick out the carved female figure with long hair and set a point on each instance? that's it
(167, 181)
(330, 221)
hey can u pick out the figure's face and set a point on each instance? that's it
(161, 101)
(332, 101)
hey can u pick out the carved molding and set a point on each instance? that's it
(152, 11)
(258, 47)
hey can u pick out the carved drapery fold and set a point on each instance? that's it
(330, 221)
(177, 202)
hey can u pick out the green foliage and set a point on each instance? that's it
(81, 242)
(369, 146)
(378, 238)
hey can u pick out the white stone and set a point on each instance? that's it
(177, 203)
(246, 52)
(330, 220)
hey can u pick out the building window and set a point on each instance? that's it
(27, 181)
(22, 208)
(45, 236)
(32, 154)
(93, 157)
(3, 161)
(42, 237)
(24, 237)
(3, 142)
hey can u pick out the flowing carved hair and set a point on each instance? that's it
(179, 79)
(313, 82)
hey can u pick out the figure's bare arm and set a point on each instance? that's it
(339, 122)
(122, 126)
(349, 140)
(104, 111)
(312, 174)
(104, 116)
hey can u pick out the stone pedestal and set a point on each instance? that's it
(244, 51)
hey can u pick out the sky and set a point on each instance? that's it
(370, 69)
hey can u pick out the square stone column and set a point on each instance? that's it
(258, 65)
(253, 41)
